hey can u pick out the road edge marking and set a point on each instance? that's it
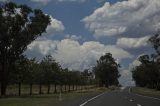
(91, 99)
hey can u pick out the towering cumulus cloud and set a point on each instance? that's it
(55, 26)
(132, 42)
(72, 54)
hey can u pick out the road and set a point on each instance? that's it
(121, 98)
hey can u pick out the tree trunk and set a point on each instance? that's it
(19, 89)
(48, 91)
(3, 88)
(106, 85)
(65, 87)
(158, 88)
(73, 87)
(69, 88)
(61, 88)
(3, 79)
(40, 88)
(31, 88)
(55, 88)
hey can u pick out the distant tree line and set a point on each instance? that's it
(47, 72)
(147, 74)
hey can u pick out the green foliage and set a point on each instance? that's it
(18, 29)
(19, 26)
(50, 70)
(47, 72)
(106, 70)
(147, 74)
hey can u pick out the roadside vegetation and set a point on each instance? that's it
(31, 77)
(147, 74)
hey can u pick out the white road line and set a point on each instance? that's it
(139, 105)
(91, 99)
(84, 103)
(131, 100)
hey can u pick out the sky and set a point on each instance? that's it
(83, 30)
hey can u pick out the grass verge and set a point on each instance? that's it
(146, 92)
(47, 99)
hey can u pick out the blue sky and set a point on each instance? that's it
(71, 14)
(83, 30)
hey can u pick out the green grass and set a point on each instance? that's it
(146, 91)
(46, 99)
(27, 101)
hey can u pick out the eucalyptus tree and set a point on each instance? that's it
(19, 26)
(147, 74)
(106, 70)
(51, 71)
(32, 69)
(64, 78)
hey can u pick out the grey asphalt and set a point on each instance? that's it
(76, 101)
(122, 98)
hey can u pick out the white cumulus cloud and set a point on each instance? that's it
(73, 37)
(41, 1)
(70, 53)
(126, 74)
(126, 78)
(71, 0)
(132, 42)
(134, 18)
(56, 26)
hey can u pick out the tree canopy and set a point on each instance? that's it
(147, 74)
(19, 26)
(106, 70)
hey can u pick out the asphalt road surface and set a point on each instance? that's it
(121, 98)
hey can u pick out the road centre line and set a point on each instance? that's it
(139, 105)
(91, 99)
